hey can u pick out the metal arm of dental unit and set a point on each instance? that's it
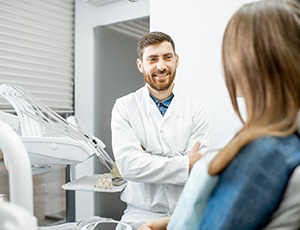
(48, 137)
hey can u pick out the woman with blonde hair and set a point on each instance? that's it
(261, 60)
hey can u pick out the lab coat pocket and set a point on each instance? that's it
(136, 194)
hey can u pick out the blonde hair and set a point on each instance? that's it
(261, 60)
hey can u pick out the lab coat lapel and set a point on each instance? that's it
(151, 106)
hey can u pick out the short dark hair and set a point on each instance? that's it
(151, 39)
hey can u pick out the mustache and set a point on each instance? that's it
(160, 71)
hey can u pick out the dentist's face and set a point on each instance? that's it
(159, 65)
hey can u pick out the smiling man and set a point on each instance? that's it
(158, 133)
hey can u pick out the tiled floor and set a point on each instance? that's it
(49, 197)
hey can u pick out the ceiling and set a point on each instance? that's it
(134, 28)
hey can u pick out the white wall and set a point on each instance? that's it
(87, 17)
(197, 28)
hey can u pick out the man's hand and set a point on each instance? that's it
(194, 155)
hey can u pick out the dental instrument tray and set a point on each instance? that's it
(48, 137)
(87, 183)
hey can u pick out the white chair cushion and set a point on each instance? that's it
(287, 216)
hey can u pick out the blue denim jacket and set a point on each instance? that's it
(250, 189)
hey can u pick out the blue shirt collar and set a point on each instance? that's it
(162, 105)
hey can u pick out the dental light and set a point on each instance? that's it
(48, 137)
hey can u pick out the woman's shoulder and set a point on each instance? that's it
(285, 149)
(286, 144)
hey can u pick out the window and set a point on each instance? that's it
(36, 53)
(36, 50)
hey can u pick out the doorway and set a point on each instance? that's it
(116, 75)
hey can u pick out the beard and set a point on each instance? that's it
(160, 84)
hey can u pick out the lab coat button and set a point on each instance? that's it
(53, 146)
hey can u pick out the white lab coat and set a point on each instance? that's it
(151, 150)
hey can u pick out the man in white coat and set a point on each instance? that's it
(158, 133)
